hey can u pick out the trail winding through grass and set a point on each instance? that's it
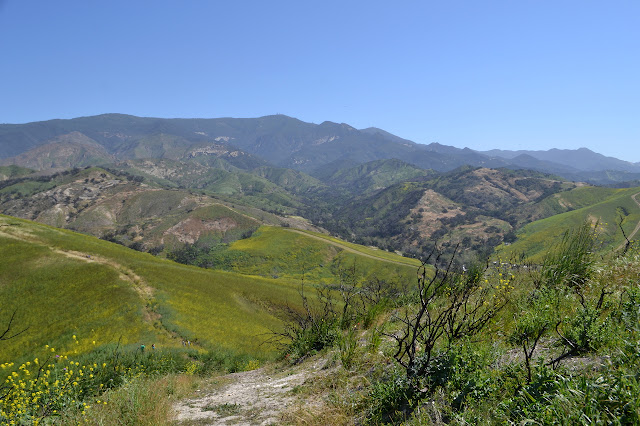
(637, 228)
(125, 274)
(347, 248)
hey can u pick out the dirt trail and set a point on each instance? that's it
(258, 397)
(125, 274)
(347, 248)
(637, 228)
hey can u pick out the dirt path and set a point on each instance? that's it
(125, 274)
(347, 248)
(637, 228)
(258, 397)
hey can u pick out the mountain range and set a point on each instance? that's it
(276, 140)
(160, 184)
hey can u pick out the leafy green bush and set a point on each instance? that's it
(316, 336)
(537, 315)
(391, 401)
(609, 396)
(588, 330)
(629, 313)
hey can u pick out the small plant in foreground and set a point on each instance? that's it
(348, 345)
(52, 384)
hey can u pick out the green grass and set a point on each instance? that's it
(585, 307)
(274, 251)
(604, 205)
(381, 254)
(28, 188)
(13, 171)
(57, 291)
(57, 296)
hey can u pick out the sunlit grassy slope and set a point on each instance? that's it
(368, 251)
(8, 172)
(61, 284)
(292, 254)
(607, 206)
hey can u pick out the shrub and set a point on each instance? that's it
(451, 305)
(391, 401)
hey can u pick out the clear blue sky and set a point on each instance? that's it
(511, 74)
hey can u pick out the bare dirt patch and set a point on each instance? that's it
(258, 397)
(298, 222)
(190, 229)
(431, 208)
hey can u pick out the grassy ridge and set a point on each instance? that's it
(605, 205)
(13, 171)
(274, 251)
(61, 284)
(381, 254)
(57, 295)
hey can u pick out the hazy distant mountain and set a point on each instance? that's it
(280, 140)
(466, 156)
(526, 161)
(580, 159)
(277, 140)
(387, 135)
(65, 151)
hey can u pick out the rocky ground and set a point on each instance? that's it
(257, 397)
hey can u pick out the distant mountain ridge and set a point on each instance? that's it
(65, 151)
(581, 159)
(275, 140)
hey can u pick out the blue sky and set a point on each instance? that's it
(485, 74)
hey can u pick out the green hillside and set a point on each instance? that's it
(293, 254)
(219, 178)
(376, 175)
(13, 171)
(62, 284)
(124, 210)
(607, 206)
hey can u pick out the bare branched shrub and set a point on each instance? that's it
(450, 304)
(9, 333)
(311, 328)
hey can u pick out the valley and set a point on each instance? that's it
(301, 259)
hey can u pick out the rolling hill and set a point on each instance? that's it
(9, 172)
(475, 207)
(120, 208)
(203, 177)
(60, 283)
(159, 205)
(610, 208)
